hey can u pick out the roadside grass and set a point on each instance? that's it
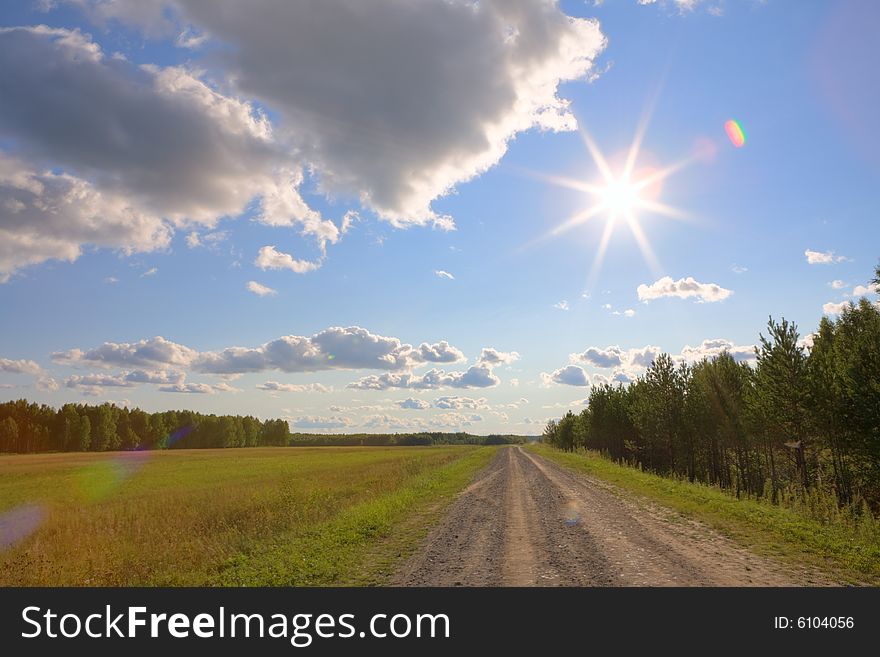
(363, 543)
(847, 553)
(231, 517)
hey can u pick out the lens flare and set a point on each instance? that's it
(735, 133)
(19, 523)
(571, 513)
(97, 481)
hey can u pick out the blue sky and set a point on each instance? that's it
(133, 200)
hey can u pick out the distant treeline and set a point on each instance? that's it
(424, 438)
(801, 424)
(29, 427)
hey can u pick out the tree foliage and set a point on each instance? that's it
(800, 420)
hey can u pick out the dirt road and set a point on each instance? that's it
(526, 521)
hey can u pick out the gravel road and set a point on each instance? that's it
(525, 521)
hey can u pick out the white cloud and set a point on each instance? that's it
(320, 422)
(440, 352)
(823, 257)
(111, 280)
(153, 376)
(739, 269)
(642, 357)
(47, 383)
(609, 357)
(144, 353)
(198, 388)
(59, 213)
(570, 375)
(414, 404)
(492, 357)
(270, 258)
(837, 284)
(683, 288)
(476, 376)
(459, 403)
(861, 290)
(479, 375)
(715, 347)
(20, 367)
(93, 383)
(444, 274)
(562, 305)
(260, 290)
(832, 308)
(275, 386)
(209, 239)
(629, 312)
(116, 155)
(424, 95)
(152, 271)
(335, 348)
(615, 357)
(97, 381)
(627, 364)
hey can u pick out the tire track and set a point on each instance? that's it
(526, 521)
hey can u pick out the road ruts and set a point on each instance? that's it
(525, 521)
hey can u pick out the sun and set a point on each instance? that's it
(622, 195)
(619, 197)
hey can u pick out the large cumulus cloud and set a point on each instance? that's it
(96, 150)
(392, 101)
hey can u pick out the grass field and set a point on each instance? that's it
(257, 516)
(849, 553)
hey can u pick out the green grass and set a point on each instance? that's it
(258, 516)
(850, 554)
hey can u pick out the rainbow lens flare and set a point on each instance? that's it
(735, 133)
(19, 523)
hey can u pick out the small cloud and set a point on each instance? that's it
(348, 220)
(270, 258)
(209, 240)
(439, 273)
(629, 312)
(150, 272)
(837, 284)
(320, 422)
(414, 404)
(861, 290)
(739, 269)
(823, 257)
(111, 280)
(832, 308)
(275, 386)
(562, 305)
(190, 39)
(683, 288)
(570, 375)
(260, 290)
(585, 294)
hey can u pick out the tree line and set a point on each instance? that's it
(30, 427)
(800, 422)
(421, 438)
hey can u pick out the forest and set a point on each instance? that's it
(29, 427)
(802, 424)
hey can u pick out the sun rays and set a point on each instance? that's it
(621, 195)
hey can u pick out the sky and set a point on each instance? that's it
(444, 215)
